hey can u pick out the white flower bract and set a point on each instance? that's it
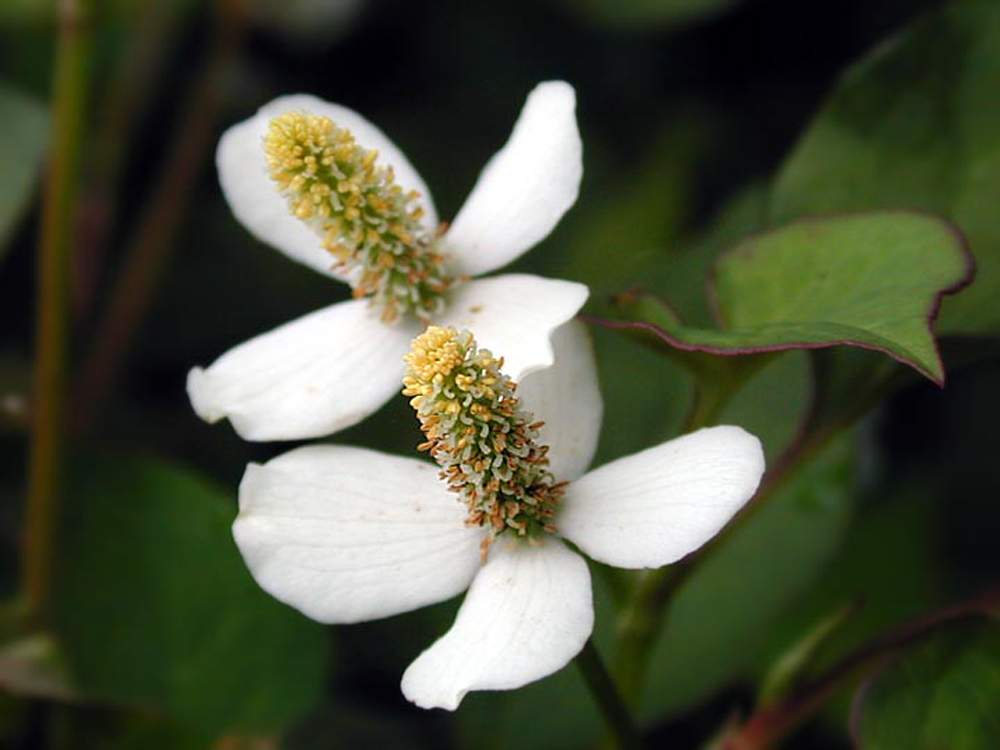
(345, 534)
(328, 370)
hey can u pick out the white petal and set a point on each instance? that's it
(525, 188)
(566, 396)
(528, 612)
(652, 508)
(345, 534)
(514, 316)
(313, 376)
(261, 209)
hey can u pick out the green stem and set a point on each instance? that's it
(638, 627)
(54, 252)
(602, 687)
(642, 619)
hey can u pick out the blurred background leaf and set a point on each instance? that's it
(156, 609)
(942, 693)
(21, 150)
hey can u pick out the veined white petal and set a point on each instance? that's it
(652, 508)
(528, 612)
(514, 316)
(311, 377)
(525, 188)
(567, 398)
(260, 208)
(346, 534)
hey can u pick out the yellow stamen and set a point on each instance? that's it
(486, 444)
(364, 219)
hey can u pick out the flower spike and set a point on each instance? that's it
(370, 226)
(477, 431)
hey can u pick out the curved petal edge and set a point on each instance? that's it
(654, 507)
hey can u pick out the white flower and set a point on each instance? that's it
(330, 369)
(346, 534)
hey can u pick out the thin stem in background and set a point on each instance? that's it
(150, 246)
(616, 714)
(54, 254)
(128, 92)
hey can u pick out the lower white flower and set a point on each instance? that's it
(346, 534)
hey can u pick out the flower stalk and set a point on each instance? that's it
(54, 255)
(602, 687)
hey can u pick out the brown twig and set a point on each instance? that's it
(54, 252)
(152, 241)
(128, 91)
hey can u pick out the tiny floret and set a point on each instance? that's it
(365, 220)
(484, 441)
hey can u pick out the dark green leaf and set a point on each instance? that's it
(942, 693)
(917, 125)
(156, 608)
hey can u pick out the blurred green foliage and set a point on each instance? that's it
(154, 608)
(944, 693)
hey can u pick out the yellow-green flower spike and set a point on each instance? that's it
(484, 442)
(364, 219)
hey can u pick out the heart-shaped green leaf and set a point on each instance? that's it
(870, 280)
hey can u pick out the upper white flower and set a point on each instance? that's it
(347, 534)
(330, 369)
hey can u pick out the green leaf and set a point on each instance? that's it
(889, 563)
(916, 124)
(723, 613)
(868, 280)
(943, 693)
(25, 136)
(155, 607)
